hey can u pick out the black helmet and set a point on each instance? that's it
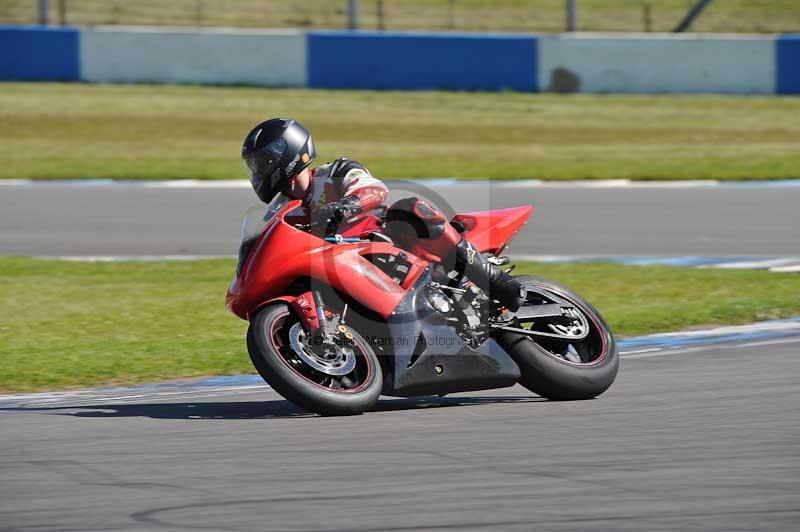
(273, 152)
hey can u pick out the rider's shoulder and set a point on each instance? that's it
(323, 170)
(342, 171)
(339, 167)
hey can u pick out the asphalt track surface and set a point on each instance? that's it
(669, 221)
(701, 439)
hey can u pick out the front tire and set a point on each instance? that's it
(275, 357)
(560, 369)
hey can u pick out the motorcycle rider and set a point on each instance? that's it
(278, 153)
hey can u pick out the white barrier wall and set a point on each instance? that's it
(137, 55)
(652, 63)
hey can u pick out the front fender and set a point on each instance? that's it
(302, 304)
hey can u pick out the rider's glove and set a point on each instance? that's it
(337, 211)
(329, 216)
(349, 206)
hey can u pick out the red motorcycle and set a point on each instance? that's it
(336, 321)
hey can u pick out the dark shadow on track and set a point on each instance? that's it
(255, 409)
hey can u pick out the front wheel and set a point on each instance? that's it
(326, 379)
(554, 365)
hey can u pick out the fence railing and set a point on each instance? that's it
(443, 15)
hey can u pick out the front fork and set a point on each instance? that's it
(320, 312)
(311, 311)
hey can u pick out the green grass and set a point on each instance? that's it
(477, 15)
(50, 131)
(68, 324)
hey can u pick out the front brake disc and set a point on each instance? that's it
(342, 363)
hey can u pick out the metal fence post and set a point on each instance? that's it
(199, 12)
(381, 23)
(43, 7)
(352, 14)
(691, 15)
(572, 15)
(451, 14)
(62, 12)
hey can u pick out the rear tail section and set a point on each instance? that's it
(491, 231)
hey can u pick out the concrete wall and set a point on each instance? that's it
(272, 58)
(657, 63)
(638, 63)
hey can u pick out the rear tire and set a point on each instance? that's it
(545, 371)
(279, 366)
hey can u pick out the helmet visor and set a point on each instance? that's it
(263, 166)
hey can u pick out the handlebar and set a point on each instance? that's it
(339, 239)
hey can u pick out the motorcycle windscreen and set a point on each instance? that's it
(256, 218)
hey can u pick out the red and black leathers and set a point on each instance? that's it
(344, 188)
(411, 221)
(348, 184)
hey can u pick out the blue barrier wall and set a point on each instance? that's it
(39, 54)
(367, 60)
(788, 64)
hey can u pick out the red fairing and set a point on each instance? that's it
(284, 253)
(362, 227)
(492, 230)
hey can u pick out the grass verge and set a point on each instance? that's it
(58, 131)
(66, 324)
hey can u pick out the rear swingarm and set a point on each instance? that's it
(537, 312)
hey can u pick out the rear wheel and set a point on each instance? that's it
(329, 379)
(557, 366)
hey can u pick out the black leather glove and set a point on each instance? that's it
(349, 206)
(330, 215)
(337, 211)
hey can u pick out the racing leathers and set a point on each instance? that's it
(342, 189)
(345, 188)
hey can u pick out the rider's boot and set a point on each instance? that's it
(497, 283)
